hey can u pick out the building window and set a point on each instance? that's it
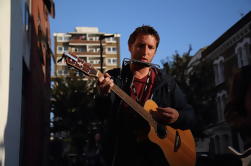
(65, 48)
(60, 49)
(83, 37)
(221, 103)
(111, 61)
(216, 73)
(111, 50)
(242, 51)
(63, 38)
(60, 38)
(93, 49)
(93, 37)
(110, 39)
(60, 72)
(65, 72)
(66, 38)
(79, 49)
(218, 66)
(94, 60)
(247, 50)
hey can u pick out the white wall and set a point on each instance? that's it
(11, 50)
(4, 70)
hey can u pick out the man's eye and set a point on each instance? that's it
(151, 47)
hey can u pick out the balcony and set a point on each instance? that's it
(89, 53)
(81, 41)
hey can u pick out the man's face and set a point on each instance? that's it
(143, 48)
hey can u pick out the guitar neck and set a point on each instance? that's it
(80, 65)
(133, 104)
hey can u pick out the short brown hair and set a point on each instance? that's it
(144, 29)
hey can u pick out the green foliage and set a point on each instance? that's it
(72, 100)
(201, 95)
(177, 67)
(197, 83)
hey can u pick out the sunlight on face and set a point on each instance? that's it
(144, 48)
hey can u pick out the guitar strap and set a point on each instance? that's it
(145, 89)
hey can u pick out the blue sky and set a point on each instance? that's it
(179, 22)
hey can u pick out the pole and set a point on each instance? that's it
(101, 54)
(101, 37)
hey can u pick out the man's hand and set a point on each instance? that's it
(105, 83)
(166, 115)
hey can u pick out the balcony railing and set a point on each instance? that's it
(83, 41)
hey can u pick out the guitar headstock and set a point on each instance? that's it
(80, 64)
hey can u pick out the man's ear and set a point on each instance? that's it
(130, 47)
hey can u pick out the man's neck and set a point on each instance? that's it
(139, 72)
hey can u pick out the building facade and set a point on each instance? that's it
(227, 55)
(85, 42)
(24, 81)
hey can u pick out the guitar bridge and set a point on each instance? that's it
(177, 141)
(161, 131)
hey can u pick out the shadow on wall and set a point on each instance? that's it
(27, 125)
(1, 149)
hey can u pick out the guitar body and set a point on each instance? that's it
(178, 146)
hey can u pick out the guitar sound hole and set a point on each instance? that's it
(161, 131)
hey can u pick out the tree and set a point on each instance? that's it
(196, 83)
(178, 67)
(201, 95)
(72, 104)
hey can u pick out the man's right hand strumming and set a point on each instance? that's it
(105, 83)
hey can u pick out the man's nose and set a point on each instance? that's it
(144, 50)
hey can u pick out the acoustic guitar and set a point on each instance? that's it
(177, 145)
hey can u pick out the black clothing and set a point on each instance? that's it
(94, 156)
(126, 124)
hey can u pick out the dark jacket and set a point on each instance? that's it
(166, 93)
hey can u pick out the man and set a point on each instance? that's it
(143, 82)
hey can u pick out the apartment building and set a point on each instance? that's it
(86, 42)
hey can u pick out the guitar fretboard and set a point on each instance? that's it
(91, 71)
(134, 105)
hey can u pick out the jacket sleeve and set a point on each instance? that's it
(186, 118)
